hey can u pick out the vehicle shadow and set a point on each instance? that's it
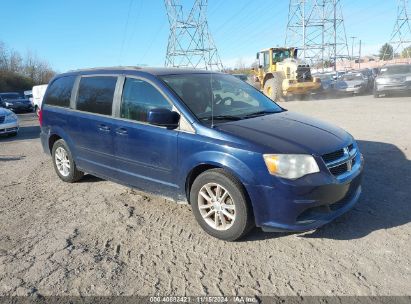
(29, 132)
(384, 202)
(88, 178)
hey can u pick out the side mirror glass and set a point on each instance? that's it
(163, 117)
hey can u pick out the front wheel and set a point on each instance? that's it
(220, 205)
(64, 164)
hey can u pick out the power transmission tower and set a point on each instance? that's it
(190, 43)
(317, 28)
(401, 35)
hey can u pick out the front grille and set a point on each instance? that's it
(338, 170)
(341, 161)
(2, 118)
(304, 74)
(333, 156)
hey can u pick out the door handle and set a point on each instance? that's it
(104, 128)
(121, 131)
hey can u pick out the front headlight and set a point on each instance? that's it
(10, 117)
(8, 104)
(290, 166)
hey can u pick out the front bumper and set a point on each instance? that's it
(9, 128)
(300, 87)
(393, 87)
(353, 90)
(304, 207)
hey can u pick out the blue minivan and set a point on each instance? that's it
(205, 138)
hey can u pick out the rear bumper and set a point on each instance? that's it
(44, 138)
(20, 108)
(303, 207)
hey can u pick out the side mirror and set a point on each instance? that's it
(257, 56)
(163, 117)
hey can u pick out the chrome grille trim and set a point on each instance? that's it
(344, 164)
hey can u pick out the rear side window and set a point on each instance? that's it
(95, 94)
(59, 92)
(139, 97)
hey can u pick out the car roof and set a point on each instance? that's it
(147, 70)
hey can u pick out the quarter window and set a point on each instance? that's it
(59, 92)
(96, 94)
(139, 97)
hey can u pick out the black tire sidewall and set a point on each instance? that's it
(71, 177)
(242, 221)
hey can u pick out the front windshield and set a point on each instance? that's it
(280, 55)
(220, 97)
(396, 69)
(10, 96)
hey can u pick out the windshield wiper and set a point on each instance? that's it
(221, 117)
(260, 113)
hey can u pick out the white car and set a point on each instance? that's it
(38, 94)
(9, 123)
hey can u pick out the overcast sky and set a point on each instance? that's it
(88, 33)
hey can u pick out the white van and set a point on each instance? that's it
(38, 93)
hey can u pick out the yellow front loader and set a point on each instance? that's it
(280, 74)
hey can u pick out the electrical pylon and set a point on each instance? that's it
(401, 35)
(317, 28)
(190, 43)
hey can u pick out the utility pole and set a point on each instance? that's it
(352, 50)
(316, 27)
(359, 56)
(190, 44)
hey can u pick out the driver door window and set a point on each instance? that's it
(139, 97)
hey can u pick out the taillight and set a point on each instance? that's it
(41, 117)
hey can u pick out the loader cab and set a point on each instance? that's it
(267, 59)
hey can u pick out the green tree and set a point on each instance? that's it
(406, 53)
(386, 51)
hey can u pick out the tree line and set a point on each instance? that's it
(21, 72)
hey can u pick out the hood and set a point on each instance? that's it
(287, 132)
(4, 112)
(396, 77)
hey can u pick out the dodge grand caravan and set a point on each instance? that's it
(205, 138)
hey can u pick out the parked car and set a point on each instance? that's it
(9, 123)
(28, 95)
(38, 94)
(353, 83)
(393, 79)
(15, 102)
(207, 138)
(327, 83)
(369, 78)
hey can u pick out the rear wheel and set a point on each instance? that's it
(220, 205)
(64, 164)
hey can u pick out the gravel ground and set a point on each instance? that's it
(99, 238)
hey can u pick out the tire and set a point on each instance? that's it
(273, 88)
(61, 151)
(235, 203)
